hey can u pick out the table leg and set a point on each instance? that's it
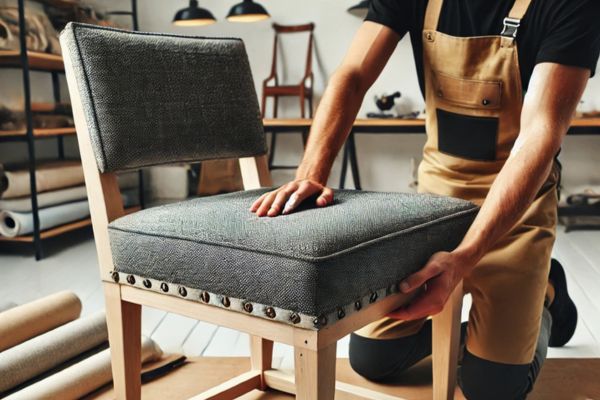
(344, 167)
(353, 161)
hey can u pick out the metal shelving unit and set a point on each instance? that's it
(52, 64)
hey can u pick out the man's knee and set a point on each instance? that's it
(380, 360)
(483, 379)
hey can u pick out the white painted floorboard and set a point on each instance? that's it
(74, 267)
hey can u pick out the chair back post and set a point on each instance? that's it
(308, 70)
(274, 61)
(104, 195)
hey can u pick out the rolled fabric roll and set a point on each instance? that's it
(29, 320)
(7, 39)
(46, 199)
(82, 378)
(42, 353)
(49, 176)
(13, 224)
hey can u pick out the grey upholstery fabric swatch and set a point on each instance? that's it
(312, 261)
(156, 98)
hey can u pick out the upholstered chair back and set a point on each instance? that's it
(153, 99)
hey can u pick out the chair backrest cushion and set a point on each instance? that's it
(153, 98)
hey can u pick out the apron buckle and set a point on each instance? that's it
(511, 27)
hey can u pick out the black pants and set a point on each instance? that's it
(384, 360)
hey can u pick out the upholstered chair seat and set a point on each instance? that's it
(307, 268)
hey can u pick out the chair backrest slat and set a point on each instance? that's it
(154, 99)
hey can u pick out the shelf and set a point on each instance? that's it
(37, 60)
(39, 133)
(59, 230)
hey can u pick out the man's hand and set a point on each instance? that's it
(440, 276)
(289, 196)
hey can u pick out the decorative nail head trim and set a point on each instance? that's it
(205, 297)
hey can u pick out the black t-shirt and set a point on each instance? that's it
(560, 31)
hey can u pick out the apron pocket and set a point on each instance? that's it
(467, 137)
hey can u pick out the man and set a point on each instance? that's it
(496, 118)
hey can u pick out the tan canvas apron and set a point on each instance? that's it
(474, 99)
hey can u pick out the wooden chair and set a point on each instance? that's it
(302, 90)
(142, 99)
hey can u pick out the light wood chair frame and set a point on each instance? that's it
(314, 351)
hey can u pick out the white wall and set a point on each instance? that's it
(384, 159)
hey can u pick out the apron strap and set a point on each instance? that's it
(432, 15)
(513, 21)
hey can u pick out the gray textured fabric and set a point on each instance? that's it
(155, 98)
(312, 261)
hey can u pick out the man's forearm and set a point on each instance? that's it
(509, 197)
(333, 121)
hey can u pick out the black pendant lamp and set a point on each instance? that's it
(247, 11)
(361, 9)
(193, 16)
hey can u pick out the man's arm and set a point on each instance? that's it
(370, 50)
(550, 103)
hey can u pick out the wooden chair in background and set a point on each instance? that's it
(273, 88)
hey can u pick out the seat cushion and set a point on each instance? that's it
(308, 268)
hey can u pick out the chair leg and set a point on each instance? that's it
(315, 373)
(124, 321)
(261, 356)
(446, 341)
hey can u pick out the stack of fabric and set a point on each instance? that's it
(61, 197)
(48, 352)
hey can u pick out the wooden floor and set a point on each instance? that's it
(73, 266)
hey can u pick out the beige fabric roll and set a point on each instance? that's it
(81, 378)
(47, 199)
(42, 353)
(49, 176)
(24, 322)
(7, 39)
